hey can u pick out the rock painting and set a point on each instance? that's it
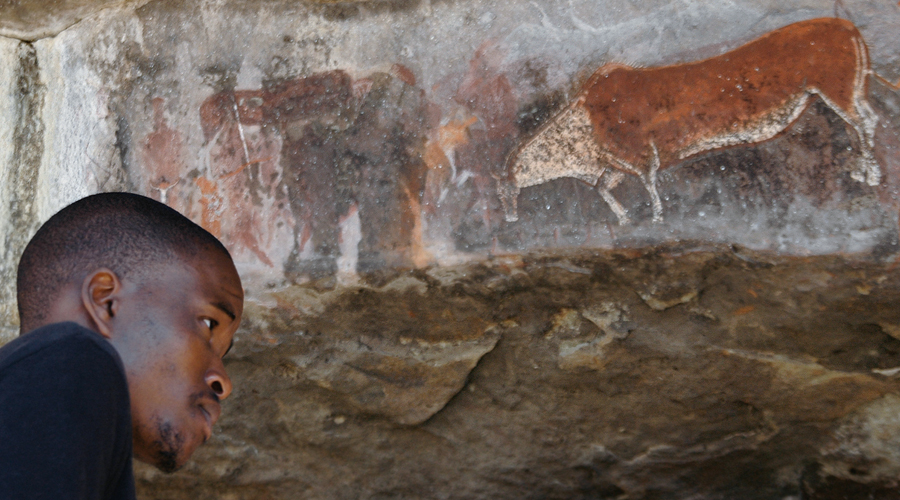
(308, 156)
(331, 174)
(162, 153)
(467, 148)
(638, 121)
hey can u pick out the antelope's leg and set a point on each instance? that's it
(648, 179)
(861, 117)
(863, 120)
(866, 132)
(608, 181)
(509, 199)
(867, 115)
(650, 184)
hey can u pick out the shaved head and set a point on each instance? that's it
(126, 233)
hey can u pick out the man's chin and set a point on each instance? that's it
(170, 450)
(167, 462)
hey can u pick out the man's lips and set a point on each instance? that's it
(211, 412)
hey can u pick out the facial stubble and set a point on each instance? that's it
(168, 447)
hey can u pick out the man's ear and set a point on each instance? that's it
(100, 296)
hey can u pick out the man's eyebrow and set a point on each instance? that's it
(226, 309)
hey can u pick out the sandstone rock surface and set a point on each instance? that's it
(559, 377)
(35, 19)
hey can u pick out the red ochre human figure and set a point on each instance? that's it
(127, 309)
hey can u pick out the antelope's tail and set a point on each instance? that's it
(885, 81)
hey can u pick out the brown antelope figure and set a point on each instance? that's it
(639, 120)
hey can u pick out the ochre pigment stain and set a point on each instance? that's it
(638, 121)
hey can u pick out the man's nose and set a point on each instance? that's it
(217, 379)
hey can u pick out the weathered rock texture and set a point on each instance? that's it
(34, 19)
(405, 338)
(666, 373)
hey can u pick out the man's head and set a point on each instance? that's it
(161, 289)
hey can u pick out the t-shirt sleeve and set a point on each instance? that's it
(61, 412)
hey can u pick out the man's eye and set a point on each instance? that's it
(210, 323)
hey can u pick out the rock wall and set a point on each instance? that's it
(457, 285)
(659, 374)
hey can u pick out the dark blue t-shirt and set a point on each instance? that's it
(65, 417)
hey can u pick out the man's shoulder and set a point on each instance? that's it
(59, 341)
(65, 421)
